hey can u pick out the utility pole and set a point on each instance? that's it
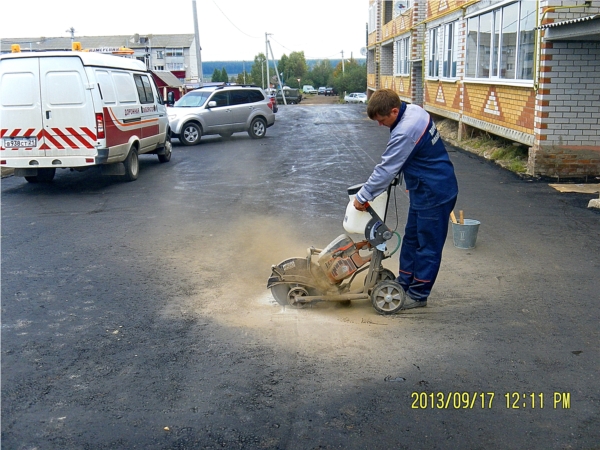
(343, 70)
(277, 72)
(72, 31)
(198, 48)
(267, 55)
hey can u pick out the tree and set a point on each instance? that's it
(216, 76)
(224, 76)
(244, 78)
(321, 72)
(282, 67)
(296, 66)
(351, 78)
(257, 72)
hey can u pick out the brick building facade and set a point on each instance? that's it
(522, 69)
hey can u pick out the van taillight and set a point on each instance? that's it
(100, 126)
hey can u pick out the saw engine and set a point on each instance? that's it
(341, 258)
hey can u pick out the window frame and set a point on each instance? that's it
(402, 66)
(144, 89)
(433, 56)
(496, 54)
(449, 60)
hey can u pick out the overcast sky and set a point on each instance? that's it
(229, 29)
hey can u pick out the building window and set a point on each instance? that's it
(450, 50)
(159, 67)
(175, 66)
(500, 42)
(373, 18)
(434, 63)
(403, 56)
(170, 52)
(160, 54)
(388, 10)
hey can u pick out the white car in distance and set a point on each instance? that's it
(356, 97)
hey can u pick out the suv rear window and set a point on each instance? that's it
(239, 97)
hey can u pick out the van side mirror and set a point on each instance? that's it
(212, 104)
(170, 98)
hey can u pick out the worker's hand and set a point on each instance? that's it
(360, 206)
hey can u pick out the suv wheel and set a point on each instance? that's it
(190, 134)
(258, 128)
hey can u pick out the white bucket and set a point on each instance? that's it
(355, 221)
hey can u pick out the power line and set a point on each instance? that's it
(225, 15)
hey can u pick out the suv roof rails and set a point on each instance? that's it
(236, 86)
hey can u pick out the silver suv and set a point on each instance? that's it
(221, 110)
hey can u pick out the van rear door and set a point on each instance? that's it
(68, 113)
(21, 110)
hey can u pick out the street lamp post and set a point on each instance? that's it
(298, 83)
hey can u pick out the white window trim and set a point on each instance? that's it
(455, 46)
(496, 79)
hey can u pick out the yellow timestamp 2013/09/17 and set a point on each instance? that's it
(485, 400)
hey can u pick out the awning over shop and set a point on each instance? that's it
(168, 78)
(580, 29)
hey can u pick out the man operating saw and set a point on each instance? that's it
(416, 150)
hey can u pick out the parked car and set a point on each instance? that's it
(330, 91)
(308, 89)
(356, 97)
(272, 102)
(221, 110)
(292, 96)
(321, 90)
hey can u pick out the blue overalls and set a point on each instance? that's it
(416, 149)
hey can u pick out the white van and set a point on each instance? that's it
(76, 110)
(308, 89)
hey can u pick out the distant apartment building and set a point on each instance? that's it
(526, 70)
(175, 53)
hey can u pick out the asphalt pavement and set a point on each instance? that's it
(136, 315)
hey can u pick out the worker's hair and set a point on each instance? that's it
(382, 102)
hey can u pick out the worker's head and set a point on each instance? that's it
(384, 107)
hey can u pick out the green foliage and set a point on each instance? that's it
(351, 77)
(320, 73)
(216, 76)
(224, 76)
(244, 78)
(257, 72)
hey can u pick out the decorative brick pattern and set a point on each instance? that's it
(558, 116)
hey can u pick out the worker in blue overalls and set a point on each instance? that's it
(415, 149)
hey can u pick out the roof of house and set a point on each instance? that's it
(129, 41)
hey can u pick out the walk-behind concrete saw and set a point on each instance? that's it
(326, 275)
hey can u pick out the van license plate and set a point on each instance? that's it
(20, 142)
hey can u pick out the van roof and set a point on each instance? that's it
(87, 58)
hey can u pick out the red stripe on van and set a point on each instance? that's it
(53, 141)
(15, 132)
(89, 132)
(80, 138)
(115, 136)
(65, 138)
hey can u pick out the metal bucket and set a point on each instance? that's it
(465, 235)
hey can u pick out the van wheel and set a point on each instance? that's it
(132, 165)
(258, 128)
(43, 176)
(190, 134)
(166, 152)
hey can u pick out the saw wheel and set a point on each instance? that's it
(387, 297)
(289, 295)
